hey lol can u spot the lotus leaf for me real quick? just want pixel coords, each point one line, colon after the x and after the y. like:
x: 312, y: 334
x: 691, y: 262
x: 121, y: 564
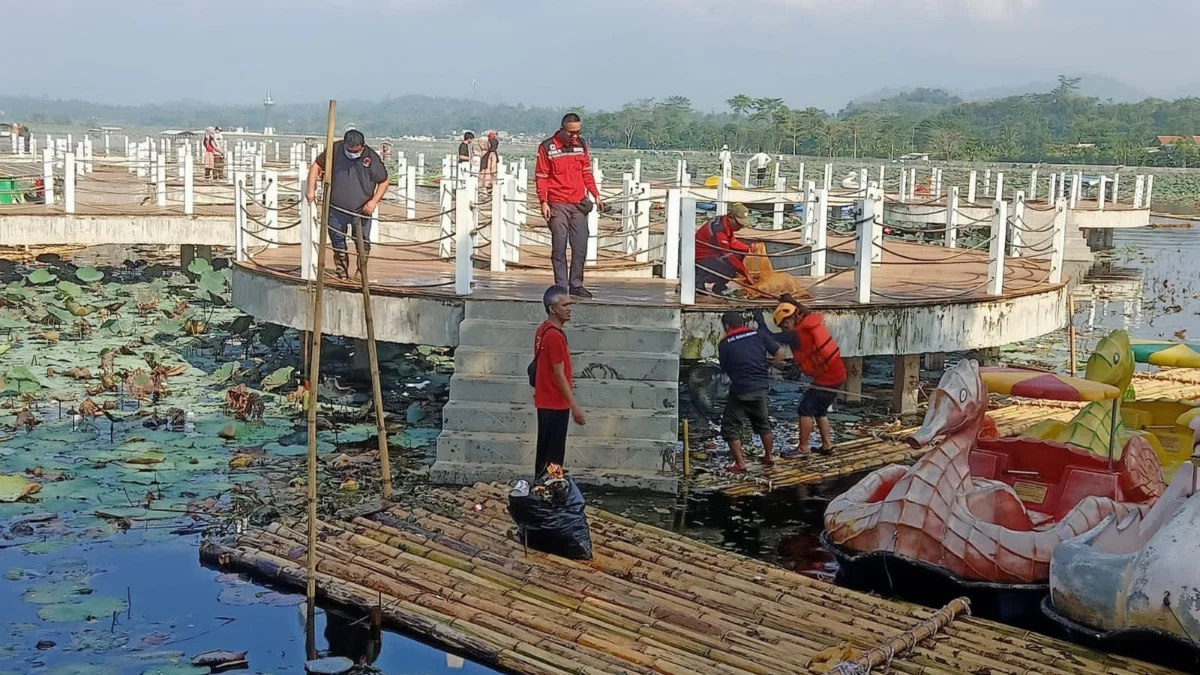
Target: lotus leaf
x: 97, y: 641
x: 61, y: 315
x: 53, y: 592
x: 5, y: 346
x: 40, y: 276
x: 169, y: 326
x: 89, y: 275
x: 14, y: 487
x: 86, y: 607
x: 200, y: 266
x: 224, y: 373
x: 83, y: 669
x: 270, y: 333
x: 277, y: 379
x: 69, y: 290
x: 9, y: 323
x: 240, y: 325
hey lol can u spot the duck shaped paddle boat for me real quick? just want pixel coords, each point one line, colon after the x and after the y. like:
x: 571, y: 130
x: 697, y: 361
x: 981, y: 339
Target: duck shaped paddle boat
x: 1134, y: 580
x: 981, y: 516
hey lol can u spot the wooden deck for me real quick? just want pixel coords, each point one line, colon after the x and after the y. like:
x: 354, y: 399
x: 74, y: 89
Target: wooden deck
x: 866, y: 454
x: 650, y: 602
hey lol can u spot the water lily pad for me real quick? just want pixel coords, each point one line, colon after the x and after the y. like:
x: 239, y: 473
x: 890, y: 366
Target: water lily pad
x: 177, y: 669
x: 15, y: 486
x: 83, y: 669
x: 14, y: 574
x: 53, y: 592
x: 97, y: 641
x: 332, y: 665
x: 87, y: 608
x: 278, y: 378
x: 47, y: 546
x: 69, y: 289
x: 89, y: 275
x: 224, y: 373
x: 40, y: 276
x: 199, y: 266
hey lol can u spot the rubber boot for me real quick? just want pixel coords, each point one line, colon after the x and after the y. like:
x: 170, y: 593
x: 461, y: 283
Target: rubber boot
x: 341, y: 263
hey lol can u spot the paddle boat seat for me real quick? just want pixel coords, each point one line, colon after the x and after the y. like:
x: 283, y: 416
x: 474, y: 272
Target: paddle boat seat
x: 1049, y: 482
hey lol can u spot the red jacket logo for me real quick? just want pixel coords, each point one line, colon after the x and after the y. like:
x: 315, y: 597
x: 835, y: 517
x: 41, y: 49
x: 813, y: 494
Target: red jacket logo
x: 366, y: 161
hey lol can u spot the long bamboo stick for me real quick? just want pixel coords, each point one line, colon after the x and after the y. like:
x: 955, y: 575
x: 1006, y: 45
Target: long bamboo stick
x: 314, y: 374
x: 904, y: 642
x: 385, y: 464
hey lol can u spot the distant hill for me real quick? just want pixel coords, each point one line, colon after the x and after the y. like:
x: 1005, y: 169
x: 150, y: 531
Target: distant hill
x: 1097, y: 86
x: 919, y: 102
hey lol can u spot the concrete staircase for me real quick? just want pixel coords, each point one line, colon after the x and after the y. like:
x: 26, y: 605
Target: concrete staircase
x: 626, y: 369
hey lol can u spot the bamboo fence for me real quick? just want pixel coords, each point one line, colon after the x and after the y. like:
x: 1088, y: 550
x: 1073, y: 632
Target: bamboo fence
x: 864, y: 454
x: 650, y: 602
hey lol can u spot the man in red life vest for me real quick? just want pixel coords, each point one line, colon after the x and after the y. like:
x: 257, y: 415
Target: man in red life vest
x: 719, y: 252
x: 817, y: 354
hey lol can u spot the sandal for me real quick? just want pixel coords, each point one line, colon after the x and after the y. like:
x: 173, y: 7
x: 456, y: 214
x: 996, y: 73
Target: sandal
x: 825, y: 451
x: 734, y: 468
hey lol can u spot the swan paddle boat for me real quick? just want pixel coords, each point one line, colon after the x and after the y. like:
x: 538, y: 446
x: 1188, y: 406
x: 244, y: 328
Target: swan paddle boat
x: 980, y: 515
x: 1134, y: 581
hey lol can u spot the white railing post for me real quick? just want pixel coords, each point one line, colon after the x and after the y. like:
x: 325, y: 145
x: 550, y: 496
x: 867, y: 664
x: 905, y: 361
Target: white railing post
x: 999, y: 185
x: 800, y: 179
x: 952, y: 218
x: 828, y: 176
x: 912, y: 184
x: 862, y: 182
x: 463, y: 240
x: 1101, y: 197
x: 420, y: 167
x: 671, y: 234
x: 87, y: 154
x: 996, y: 251
x: 777, y: 216
x: 48, y: 174
x: 522, y: 197
x: 1060, y: 241
x: 628, y: 187
x: 642, y: 238
x: 271, y: 210
x: 160, y: 180
x: 778, y: 166
x: 687, y: 250
x: 723, y: 187
x: 937, y: 183
x: 882, y: 177
x: 1149, y: 192
x: 189, y: 185
x: 410, y: 194
x: 239, y: 216
x: 1116, y: 188
x: 309, y: 235
x: 496, y: 231
x: 69, y: 182
x: 1139, y: 191
x: 903, y: 185
x: 820, y: 235
x: 810, y: 212
x: 971, y: 182
x: 863, y: 246
x: 1076, y: 179
x: 1033, y: 176
x: 1052, y: 188
x: 637, y: 170
x: 1018, y: 225
x: 80, y: 159
x: 445, y: 218
x: 987, y: 183
x: 593, y: 221
x: 746, y: 176
x: 511, y: 219
x: 374, y: 234
x: 875, y: 195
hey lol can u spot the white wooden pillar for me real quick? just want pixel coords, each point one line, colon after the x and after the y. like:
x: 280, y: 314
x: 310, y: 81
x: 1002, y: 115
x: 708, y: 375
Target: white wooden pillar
x: 1052, y: 188
x: 687, y: 250
x: 828, y: 176
x: 999, y: 185
x: 1060, y: 241
x: 723, y: 188
x: 160, y: 180
x: 952, y: 218
x: 87, y: 154
x: 903, y: 185
x: 996, y: 250
x: 420, y: 167
x: 820, y: 235
x: 777, y: 215
x: 642, y: 230
x: 882, y: 176
x: 987, y: 183
x: 628, y: 211
x: 637, y: 170
x: 862, y: 182
x: 80, y: 159
x: 1139, y: 191
x: 810, y: 213
x: 496, y: 230
x: 189, y: 184
x: 239, y: 216
x: 445, y: 218
x: 746, y: 176
x: 672, y: 234
x: 69, y: 179
x: 800, y: 179
x: 863, y: 246
x: 512, y: 219
x: 271, y: 212
x: 48, y: 174
x: 1101, y: 195
x: 464, y: 244
x: 593, y: 221
x: 1033, y: 177
x: 1149, y: 192
x: 410, y: 194
x: 974, y: 178
x: 912, y: 184
x: 522, y: 196
x: 875, y: 195
x: 1018, y: 222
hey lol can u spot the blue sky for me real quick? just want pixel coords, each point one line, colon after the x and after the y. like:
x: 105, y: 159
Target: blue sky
x: 599, y: 54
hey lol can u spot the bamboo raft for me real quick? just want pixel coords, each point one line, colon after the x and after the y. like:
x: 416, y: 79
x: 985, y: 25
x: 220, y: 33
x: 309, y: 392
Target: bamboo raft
x: 864, y: 454
x: 651, y: 602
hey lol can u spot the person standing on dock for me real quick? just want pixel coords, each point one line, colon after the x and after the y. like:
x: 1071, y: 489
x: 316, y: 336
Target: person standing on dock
x: 464, y: 148
x: 488, y: 162
x: 761, y: 161
x: 564, y: 181
x: 746, y: 356
x: 818, y: 355
x: 553, y: 385
x: 719, y: 252
x: 357, y: 185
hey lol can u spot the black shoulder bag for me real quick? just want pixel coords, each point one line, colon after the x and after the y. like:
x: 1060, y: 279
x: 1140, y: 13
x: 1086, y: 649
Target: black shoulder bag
x: 532, y: 369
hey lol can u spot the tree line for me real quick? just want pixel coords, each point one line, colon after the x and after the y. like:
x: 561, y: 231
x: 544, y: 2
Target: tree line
x: 1056, y: 126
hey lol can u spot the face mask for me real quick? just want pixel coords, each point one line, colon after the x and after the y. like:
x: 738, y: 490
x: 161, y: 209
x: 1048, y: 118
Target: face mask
x: 352, y: 155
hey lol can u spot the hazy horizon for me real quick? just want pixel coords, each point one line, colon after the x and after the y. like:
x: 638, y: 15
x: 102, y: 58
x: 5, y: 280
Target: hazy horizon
x: 543, y: 53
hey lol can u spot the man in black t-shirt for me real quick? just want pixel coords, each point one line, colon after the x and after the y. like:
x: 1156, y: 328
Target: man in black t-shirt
x: 357, y: 185
x: 464, y: 148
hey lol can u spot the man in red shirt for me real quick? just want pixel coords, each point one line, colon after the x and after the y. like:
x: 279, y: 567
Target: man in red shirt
x: 564, y: 181
x: 719, y: 252
x: 554, y: 387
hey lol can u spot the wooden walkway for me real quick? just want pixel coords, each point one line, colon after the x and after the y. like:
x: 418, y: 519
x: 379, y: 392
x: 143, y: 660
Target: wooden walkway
x: 651, y: 602
x: 865, y: 454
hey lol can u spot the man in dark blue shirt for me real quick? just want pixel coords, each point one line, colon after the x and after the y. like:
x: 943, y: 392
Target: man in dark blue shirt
x: 746, y: 356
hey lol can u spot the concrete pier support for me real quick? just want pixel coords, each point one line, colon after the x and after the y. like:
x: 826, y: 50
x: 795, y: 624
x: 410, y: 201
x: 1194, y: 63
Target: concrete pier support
x: 988, y: 356
x: 854, y: 379
x: 935, y: 361
x: 189, y: 252
x: 907, y: 378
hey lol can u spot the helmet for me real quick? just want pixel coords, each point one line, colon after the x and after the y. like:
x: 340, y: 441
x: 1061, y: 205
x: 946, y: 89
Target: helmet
x: 783, y: 311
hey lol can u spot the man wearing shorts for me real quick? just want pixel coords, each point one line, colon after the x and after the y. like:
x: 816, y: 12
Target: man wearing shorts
x: 817, y: 354
x: 746, y: 356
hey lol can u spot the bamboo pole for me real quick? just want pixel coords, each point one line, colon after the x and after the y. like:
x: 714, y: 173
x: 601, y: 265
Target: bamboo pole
x: 1071, y: 329
x: 687, y: 452
x: 385, y: 464
x: 904, y: 642
x: 314, y: 374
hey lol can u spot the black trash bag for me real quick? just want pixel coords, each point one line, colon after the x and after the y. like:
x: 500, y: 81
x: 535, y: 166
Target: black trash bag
x: 555, y: 523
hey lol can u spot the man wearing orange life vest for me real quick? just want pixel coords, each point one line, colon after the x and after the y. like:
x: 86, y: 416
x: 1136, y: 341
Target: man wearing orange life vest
x: 817, y: 354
